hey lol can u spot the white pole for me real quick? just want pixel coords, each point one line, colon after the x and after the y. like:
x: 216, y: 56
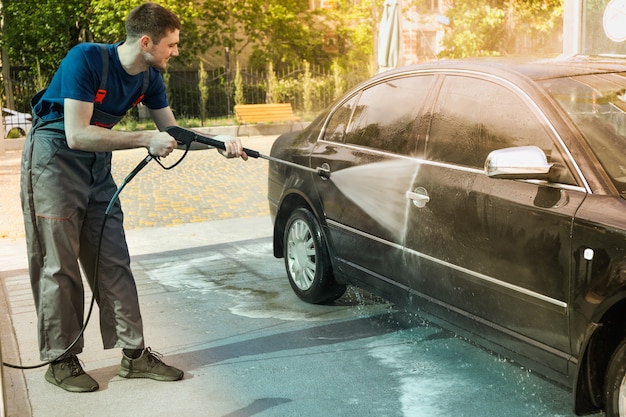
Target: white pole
x: 572, y: 26
x: 2, y: 147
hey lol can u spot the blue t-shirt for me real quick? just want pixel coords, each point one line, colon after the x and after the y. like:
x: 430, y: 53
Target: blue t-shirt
x: 79, y: 76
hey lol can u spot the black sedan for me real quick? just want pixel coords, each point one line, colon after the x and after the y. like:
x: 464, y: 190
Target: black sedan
x: 488, y: 196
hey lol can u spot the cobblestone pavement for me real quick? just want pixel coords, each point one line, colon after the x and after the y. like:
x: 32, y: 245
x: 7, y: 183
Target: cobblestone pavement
x: 205, y: 186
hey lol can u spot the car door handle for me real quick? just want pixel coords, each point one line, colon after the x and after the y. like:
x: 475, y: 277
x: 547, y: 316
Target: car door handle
x: 419, y: 197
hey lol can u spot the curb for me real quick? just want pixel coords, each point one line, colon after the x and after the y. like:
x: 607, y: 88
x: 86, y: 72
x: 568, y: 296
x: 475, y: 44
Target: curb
x: 12, y: 145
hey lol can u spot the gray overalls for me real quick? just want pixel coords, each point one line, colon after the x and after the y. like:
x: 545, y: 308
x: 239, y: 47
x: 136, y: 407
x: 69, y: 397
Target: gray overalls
x: 64, y: 195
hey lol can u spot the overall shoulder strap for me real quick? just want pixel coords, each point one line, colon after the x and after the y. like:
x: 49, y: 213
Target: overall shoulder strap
x: 144, y: 87
x: 104, y: 52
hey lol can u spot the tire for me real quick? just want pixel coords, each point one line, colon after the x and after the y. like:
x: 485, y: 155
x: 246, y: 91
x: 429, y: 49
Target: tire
x: 307, y: 261
x: 615, y: 383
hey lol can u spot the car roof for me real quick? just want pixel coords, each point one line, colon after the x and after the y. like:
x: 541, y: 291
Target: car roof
x: 535, y: 69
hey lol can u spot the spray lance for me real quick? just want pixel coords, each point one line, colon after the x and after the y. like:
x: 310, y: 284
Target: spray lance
x: 186, y: 137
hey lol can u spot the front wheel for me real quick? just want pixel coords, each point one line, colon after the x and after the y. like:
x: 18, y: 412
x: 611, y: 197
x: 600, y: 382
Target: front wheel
x: 307, y: 261
x: 615, y: 383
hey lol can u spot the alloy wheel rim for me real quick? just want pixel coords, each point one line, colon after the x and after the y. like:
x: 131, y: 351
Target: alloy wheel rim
x: 301, y: 255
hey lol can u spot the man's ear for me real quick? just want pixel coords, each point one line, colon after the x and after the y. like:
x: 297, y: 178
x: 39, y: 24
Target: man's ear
x: 145, y: 42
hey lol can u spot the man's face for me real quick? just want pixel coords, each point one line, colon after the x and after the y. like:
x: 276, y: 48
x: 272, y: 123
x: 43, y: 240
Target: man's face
x: 158, y: 54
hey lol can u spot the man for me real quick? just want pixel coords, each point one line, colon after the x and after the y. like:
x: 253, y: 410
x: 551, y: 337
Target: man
x: 67, y: 185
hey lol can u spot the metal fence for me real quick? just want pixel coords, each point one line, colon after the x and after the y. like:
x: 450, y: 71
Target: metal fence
x: 309, y: 89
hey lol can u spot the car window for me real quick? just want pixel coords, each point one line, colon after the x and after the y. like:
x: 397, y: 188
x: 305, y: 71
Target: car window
x: 385, y: 115
x: 473, y: 117
x: 597, y: 104
x: 336, y: 127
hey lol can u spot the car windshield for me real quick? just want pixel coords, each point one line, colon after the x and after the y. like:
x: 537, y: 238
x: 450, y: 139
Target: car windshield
x: 597, y: 104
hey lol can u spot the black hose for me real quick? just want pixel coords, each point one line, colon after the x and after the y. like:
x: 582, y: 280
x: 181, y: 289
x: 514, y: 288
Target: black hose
x: 128, y: 178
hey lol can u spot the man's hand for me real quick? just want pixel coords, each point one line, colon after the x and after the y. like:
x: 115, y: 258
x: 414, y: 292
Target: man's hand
x: 161, y: 144
x: 234, y: 148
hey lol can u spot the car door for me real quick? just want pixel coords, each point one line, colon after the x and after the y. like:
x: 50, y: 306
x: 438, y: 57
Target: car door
x: 369, y: 145
x: 493, y: 251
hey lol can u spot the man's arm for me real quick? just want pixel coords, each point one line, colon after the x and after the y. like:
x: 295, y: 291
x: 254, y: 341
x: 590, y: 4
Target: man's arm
x: 81, y: 135
x: 163, y: 117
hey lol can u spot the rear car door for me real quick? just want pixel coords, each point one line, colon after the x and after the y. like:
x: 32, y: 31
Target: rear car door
x: 368, y: 145
x: 494, y: 252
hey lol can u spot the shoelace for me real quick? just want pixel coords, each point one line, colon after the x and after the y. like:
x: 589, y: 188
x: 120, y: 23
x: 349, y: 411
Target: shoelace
x: 154, y: 356
x: 73, y: 363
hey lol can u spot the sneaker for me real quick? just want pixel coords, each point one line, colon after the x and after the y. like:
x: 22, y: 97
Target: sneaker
x: 68, y: 374
x: 148, y: 365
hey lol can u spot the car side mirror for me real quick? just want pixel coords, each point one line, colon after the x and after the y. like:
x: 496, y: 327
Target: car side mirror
x: 522, y: 162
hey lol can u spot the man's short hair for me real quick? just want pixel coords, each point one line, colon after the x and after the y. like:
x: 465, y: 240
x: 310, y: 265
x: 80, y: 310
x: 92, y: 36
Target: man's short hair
x: 151, y: 19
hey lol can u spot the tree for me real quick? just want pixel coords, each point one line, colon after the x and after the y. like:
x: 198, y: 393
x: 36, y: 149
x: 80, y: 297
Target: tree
x: 280, y: 31
x: 495, y: 27
x: 55, y: 26
x: 286, y: 32
x: 108, y: 17
x: 204, y: 92
x: 290, y: 35
x: 354, y: 24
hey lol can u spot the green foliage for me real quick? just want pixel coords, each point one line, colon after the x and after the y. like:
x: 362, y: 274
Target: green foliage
x: 40, y: 80
x: 204, y: 91
x: 307, y: 86
x: 478, y: 29
x: 282, y: 31
x: 239, y: 93
x: 44, y: 29
x: 272, y: 94
x: 108, y: 18
x: 320, y: 87
x: 166, y: 80
x: 306, y: 91
x: 14, y: 133
x: 285, y: 32
x: 339, y: 84
x: 485, y: 28
x: 353, y: 23
x: 538, y: 16
x: 288, y: 90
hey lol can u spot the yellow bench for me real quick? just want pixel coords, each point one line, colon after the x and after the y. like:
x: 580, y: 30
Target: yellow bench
x: 265, y: 113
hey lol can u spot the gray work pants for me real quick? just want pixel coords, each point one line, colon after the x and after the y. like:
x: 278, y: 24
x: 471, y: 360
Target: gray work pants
x: 64, y: 196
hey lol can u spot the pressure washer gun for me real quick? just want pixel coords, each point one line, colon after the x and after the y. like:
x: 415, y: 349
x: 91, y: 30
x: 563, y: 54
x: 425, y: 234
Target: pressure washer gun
x: 187, y: 137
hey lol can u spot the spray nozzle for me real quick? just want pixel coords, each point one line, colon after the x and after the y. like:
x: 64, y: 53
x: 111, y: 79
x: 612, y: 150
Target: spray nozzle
x: 324, y: 171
